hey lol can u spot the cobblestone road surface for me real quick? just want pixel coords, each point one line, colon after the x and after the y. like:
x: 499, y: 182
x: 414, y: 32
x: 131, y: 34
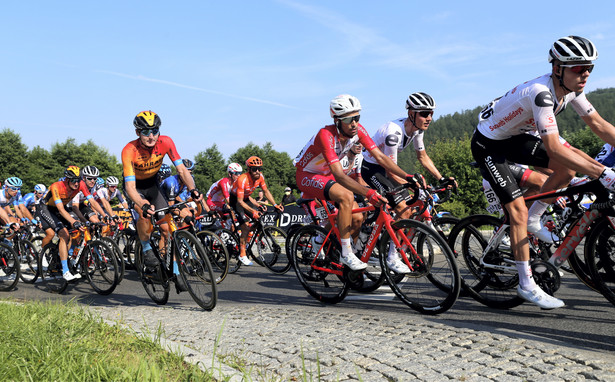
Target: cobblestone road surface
x: 286, y: 343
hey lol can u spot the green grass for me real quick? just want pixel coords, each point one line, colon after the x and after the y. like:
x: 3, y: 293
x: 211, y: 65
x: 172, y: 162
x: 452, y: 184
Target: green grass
x: 59, y: 342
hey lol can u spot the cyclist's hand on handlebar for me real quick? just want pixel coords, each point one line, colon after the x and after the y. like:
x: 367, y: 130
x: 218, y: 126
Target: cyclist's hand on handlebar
x: 415, y: 181
x: 256, y: 215
x: 262, y: 208
x: 374, y: 198
x: 279, y: 207
x: 148, y: 210
x: 607, y: 178
x: 450, y: 183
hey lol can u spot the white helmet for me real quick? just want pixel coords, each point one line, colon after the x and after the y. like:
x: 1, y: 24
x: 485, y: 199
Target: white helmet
x: 573, y: 48
x: 40, y: 188
x: 112, y: 181
x: 420, y: 101
x: 234, y: 167
x: 344, y: 104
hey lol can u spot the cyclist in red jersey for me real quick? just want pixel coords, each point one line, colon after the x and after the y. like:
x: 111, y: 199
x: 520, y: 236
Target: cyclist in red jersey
x: 141, y: 160
x: 54, y: 216
x: 320, y: 174
x: 244, y: 205
x: 220, y: 192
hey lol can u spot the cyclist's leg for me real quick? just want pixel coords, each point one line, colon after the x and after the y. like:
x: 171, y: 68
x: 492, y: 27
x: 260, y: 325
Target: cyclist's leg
x: 149, y: 191
x: 243, y: 220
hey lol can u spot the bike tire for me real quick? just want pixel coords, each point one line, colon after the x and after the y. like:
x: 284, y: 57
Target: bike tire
x: 154, y: 283
x: 99, y: 265
x: 489, y: 287
x: 28, y: 257
x: 434, y: 283
x: 119, y: 257
x: 231, y: 240
x: 271, y: 248
x: 290, y: 240
x: 50, y: 269
x: 216, y: 252
x: 444, y: 225
x: 322, y: 277
x: 195, y: 269
x: 600, y: 258
x: 10, y: 268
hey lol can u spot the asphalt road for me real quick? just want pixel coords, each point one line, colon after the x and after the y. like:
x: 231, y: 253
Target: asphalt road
x: 587, y: 321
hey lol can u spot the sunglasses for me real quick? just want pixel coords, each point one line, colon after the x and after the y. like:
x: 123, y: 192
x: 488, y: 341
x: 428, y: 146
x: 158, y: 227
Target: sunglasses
x: 73, y: 180
x: 425, y: 113
x: 349, y: 120
x: 579, y: 69
x: 255, y: 169
x: 235, y: 172
x: 14, y: 188
x: 90, y: 178
x: 147, y: 132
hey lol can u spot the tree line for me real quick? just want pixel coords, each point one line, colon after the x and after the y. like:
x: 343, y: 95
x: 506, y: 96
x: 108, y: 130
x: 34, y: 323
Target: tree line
x: 447, y: 142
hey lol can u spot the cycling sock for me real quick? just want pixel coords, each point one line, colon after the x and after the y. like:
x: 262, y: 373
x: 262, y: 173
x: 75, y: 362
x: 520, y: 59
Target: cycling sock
x: 392, y: 251
x: 146, y: 245
x: 535, y: 212
x: 64, y: 266
x: 525, y: 275
x: 175, y: 267
x: 346, y: 247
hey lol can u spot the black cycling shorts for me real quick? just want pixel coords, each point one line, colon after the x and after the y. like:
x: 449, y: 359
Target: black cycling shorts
x: 493, y: 159
x: 375, y: 176
x: 240, y: 213
x: 148, y: 190
x: 51, y: 218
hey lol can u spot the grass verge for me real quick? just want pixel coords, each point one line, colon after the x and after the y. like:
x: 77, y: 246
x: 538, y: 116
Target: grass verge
x: 45, y: 341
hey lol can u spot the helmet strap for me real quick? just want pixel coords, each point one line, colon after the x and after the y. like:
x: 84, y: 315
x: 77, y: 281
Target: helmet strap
x: 561, y: 79
x: 412, y: 118
x: 338, y: 124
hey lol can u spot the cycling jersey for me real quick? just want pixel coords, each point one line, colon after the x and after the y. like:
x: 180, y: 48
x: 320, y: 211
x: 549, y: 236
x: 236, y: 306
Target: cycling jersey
x: 245, y: 185
x: 530, y: 106
x: 142, y: 163
x: 172, y: 187
x: 352, y: 169
x: 606, y: 156
x: 391, y: 139
x: 220, y: 190
x: 325, y: 148
x: 80, y: 198
x: 103, y: 193
x: 29, y: 200
x: 61, y: 193
x: 6, y: 200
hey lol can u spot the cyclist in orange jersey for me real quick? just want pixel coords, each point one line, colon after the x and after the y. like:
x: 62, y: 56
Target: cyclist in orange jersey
x: 141, y: 160
x: 244, y: 205
x: 55, y: 216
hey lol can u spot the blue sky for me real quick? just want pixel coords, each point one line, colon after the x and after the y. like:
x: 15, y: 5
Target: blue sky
x: 238, y: 71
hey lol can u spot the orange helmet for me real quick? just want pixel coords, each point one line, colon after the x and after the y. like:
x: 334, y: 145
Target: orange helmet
x: 254, y: 161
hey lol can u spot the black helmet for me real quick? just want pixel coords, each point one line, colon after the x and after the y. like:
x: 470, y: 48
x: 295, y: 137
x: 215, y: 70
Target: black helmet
x: 147, y: 120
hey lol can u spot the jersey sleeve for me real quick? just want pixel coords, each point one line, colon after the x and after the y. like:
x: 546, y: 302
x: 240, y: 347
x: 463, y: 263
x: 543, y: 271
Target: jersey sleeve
x: 418, y: 142
x: 325, y: 143
x: 170, y: 150
x: 582, y: 106
x: 365, y: 139
x: 542, y: 107
x: 127, y: 164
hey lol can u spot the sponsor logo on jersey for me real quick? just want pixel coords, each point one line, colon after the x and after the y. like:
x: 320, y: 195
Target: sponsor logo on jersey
x: 544, y: 99
x: 314, y: 183
x: 306, y: 159
x: 391, y: 140
x: 507, y: 118
x: 494, y: 171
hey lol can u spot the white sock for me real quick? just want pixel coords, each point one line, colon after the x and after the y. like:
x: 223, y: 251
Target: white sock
x: 525, y: 275
x: 347, y: 247
x: 392, y: 251
x: 535, y: 212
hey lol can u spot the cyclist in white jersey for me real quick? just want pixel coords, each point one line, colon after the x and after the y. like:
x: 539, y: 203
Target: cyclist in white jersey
x: 351, y: 163
x: 501, y: 135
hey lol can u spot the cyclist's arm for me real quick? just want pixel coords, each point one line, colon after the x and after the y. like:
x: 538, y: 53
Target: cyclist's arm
x: 600, y: 127
x: 24, y: 211
x: 186, y: 177
x: 5, y: 216
x: 388, y: 164
x: 569, y: 158
x: 428, y: 164
x: 340, y: 176
x: 76, y: 211
x: 131, y: 190
x: 65, y: 214
x: 107, y: 206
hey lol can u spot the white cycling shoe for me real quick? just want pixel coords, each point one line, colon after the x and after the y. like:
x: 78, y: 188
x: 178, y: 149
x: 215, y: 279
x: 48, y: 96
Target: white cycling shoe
x: 541, y: 232
x: 353, y: 262
x: 397, y: 265
x: 539, y: 298
x: 70, y: 277
x: 245, y: 261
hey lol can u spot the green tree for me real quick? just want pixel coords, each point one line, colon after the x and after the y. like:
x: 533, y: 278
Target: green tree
x: 43, y: 169
x: 209, y: 167
x: 13, y: 156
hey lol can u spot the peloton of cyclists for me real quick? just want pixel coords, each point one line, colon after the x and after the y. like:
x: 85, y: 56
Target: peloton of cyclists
x: 501, y: 135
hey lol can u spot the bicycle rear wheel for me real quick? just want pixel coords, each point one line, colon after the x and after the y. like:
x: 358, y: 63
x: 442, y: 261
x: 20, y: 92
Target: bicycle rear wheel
x: 231, y: 241
x: 9, y: 268
x: 28, y: 256
x: 196, y: 270
x: 99, y: 264
x: 154, y: 282
x: 119, y: 257
x: 320, y: 274
x: 493, y: 288
x: 271, y: 247
x: 216, y: 253
x: 50, y: 269
x: 600, y: 258
x: 434, y: 283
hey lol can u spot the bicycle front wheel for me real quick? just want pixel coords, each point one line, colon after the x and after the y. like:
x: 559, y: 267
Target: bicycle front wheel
x: 195, y: 269
x: 119, y: 257
x: 433, y: 285
x: 231, y: 241
x: 600, y: 258
x: 318, y: 266
x: 99, y: 264
x: 154, y: 283
x: 271, y: 247
x: 216, y: 253
x: 9, y: 268
x: 28, y: 256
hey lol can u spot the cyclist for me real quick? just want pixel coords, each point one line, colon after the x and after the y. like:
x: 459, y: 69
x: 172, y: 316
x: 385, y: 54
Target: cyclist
x: 88, y: 209
x: 219, y: 193
x: 244, y: 205
x: 141, y: 160
x: 55, y: 217
x: 320, y: 174
x: 352, y: 163
x: 501, y: 135
x: 10, y: 195
x: 32, y: 199
x: 111, y: 192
